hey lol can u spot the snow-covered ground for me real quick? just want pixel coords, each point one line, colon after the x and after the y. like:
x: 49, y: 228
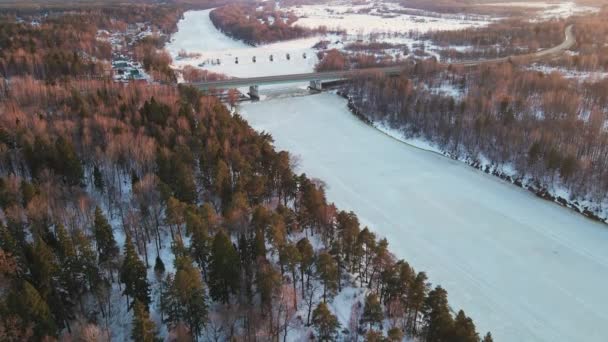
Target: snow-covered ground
x: 522, y: 267
x: 590, y: 76
x: 196, y: 34
x: 549, y: 10
x: 376, y: 18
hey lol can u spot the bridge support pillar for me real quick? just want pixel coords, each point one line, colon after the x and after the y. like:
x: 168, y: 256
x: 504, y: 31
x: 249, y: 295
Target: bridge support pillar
x: 254, y: 93
x: 315, y: 85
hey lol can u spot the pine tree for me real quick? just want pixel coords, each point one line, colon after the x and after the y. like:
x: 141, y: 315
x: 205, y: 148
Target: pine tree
x: 223, y: 268
x: 326, y: 324
x: 183, y: 298
x: 268, y: 282
x: 159, y: 267
x: 291, y: 257
x: 43, y: 267
x: 488, y: 338
x: 98, y: 178
x: 104, y: 236
x: 199, y: 241
x: 191, y: 296
x: 143, y: 329
x: 372, y: 311
x: 67, y: 163
x: 30, y: 306
x: 133, y: 275
x: 464, y: 329
x: 327, y: 271
x: 307, y: 260
x: 438, y: 322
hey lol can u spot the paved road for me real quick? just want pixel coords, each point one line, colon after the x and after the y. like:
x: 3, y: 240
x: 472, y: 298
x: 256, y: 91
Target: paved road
x: 568, y: 42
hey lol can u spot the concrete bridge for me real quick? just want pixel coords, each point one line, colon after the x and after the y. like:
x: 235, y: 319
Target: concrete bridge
x: 316, y: 79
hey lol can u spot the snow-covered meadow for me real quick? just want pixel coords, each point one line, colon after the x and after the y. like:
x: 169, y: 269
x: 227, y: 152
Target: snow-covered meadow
x: 522, y: 267
x: 548, y: 10
x: 377, y: 17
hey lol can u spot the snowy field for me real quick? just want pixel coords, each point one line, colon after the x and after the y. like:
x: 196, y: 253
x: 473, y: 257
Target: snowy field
x: 587, y: 76
x: 549, y: 10
x: 523, y: 268
x: 374, y: 17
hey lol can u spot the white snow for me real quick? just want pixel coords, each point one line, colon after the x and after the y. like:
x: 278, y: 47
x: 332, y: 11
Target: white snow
x: 591, y: 76
x: 522, y: 267
x: 345, y: 16
x: 198, y: 35
x: 549, y: 10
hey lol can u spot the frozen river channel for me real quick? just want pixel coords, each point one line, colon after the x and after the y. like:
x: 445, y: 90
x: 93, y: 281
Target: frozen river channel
x: 522, y: 267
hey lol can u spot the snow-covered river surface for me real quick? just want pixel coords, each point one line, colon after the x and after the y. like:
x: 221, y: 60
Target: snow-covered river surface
x: 523, y: 268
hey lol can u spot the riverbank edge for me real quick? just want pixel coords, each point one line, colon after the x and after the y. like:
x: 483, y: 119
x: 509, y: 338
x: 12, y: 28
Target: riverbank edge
x: 531, y: 185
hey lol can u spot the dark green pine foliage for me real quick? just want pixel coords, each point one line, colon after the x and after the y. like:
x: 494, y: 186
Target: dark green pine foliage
x: 464, y: 329
x: 183, y: 297
x: 438, y: 321
x: 223, y: 268
x: 307, y: 260
x: 66, y: 162
x: 104, y: 236
x: 488, y: 338
x: 98, y: 178
x: 291, y: 257
x: 43, y: 266
x: 133, y: 275
x: 327, y: 271
x: 159, y: 266
x: 143, y: 329
x: 326, y: 324
x: 372, y: 311
x: 27, y: 303
x: 199, y: 240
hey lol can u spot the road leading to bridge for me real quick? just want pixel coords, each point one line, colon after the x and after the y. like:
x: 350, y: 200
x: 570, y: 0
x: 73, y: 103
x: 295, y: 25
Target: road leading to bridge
x: 568, y: 42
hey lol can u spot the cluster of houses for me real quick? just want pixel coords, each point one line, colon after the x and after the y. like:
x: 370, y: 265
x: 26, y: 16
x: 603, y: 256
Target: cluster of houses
x: 124, y: 67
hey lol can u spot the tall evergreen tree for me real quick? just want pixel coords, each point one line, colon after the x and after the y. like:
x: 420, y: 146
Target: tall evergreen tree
x: 464, y: 329
x: 372, y: 311
x: 223, y: 268
x: 327, y: 272
x: 183, y: 299
x: 143, y: 328
x: 133, y: 275
x: 291, y: 257
x: 98, y: 178
x: 326, y: 324
x: 27, y: 303
x: 104, y: 236
x: 438, y: 322
x: 307, y: 260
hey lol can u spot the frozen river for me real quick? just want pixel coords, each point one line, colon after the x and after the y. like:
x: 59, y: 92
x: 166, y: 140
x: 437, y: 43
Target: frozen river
x: 523, y: 268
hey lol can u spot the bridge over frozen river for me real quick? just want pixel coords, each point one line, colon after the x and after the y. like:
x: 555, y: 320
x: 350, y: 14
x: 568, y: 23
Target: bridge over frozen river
x: 316, y: 78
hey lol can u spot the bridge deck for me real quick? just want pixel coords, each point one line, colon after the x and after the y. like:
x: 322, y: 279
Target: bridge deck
x: 278, y: 79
